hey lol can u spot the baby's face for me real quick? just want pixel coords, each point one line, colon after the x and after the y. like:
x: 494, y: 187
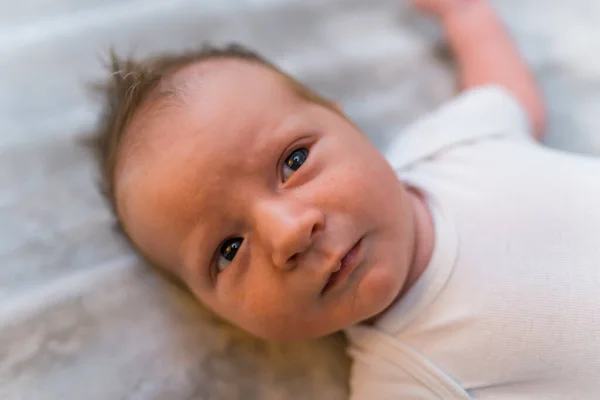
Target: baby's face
x: 278, y: 213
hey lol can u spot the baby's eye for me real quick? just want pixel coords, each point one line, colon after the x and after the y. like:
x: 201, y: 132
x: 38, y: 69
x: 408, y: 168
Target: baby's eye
x: 227, y: 252
x: 293, y: 162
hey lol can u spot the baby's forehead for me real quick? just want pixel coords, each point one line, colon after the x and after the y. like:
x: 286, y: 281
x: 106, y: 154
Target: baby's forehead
x: 210, y: 91
x: 227, y: 75
x: 204, y: 99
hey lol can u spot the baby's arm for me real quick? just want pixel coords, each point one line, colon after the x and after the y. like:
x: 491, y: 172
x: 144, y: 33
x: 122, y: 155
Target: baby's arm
x: 486, y: 54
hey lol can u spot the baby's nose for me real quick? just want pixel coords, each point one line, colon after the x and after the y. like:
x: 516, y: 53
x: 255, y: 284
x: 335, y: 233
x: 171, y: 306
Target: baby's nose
x: 288, y: 230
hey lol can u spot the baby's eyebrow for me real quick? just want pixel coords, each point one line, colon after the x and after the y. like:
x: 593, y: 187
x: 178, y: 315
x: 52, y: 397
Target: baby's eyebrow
x: 195, y: 252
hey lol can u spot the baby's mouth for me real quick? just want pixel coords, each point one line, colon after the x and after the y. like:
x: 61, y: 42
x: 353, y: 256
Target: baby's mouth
x: 345, y: 267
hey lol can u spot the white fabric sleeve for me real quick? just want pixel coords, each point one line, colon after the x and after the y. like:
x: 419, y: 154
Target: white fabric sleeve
x: 374, y: 379
x: 383, y: 368
x: 478, y: 113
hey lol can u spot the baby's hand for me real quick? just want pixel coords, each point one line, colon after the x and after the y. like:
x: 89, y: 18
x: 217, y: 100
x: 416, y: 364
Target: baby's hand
x: 485, y: 53
x: 441, y: 8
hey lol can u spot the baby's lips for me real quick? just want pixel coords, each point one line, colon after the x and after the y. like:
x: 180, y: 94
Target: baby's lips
x: 337, y: 267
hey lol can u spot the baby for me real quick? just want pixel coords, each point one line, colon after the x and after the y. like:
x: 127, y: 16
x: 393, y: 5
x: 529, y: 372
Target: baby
x: 466, y: 265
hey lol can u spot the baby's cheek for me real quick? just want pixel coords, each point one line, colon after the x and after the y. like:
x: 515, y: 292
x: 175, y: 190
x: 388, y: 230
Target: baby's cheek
x: 345, y: 189
x: 260, y: 304
x: 268, y: 319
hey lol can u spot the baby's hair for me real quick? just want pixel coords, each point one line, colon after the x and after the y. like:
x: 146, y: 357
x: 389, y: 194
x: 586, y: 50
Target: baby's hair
x: 131, y: 84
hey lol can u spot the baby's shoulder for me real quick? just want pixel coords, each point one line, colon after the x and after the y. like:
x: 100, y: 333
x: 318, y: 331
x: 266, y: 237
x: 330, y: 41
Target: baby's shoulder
x: 476, y: 115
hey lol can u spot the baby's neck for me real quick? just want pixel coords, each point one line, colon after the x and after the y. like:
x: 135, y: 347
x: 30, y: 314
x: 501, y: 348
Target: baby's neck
x: 424, y: 242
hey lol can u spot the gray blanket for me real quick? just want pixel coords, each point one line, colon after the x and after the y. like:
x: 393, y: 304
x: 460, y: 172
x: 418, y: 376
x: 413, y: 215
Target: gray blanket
x: 80, y: 316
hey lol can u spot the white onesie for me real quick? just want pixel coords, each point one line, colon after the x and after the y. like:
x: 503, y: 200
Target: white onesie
x: 509, y: 306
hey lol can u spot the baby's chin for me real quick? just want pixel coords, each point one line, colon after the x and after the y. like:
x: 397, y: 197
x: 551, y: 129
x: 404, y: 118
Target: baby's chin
x: 379, y: 289
x: 379, y: 293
